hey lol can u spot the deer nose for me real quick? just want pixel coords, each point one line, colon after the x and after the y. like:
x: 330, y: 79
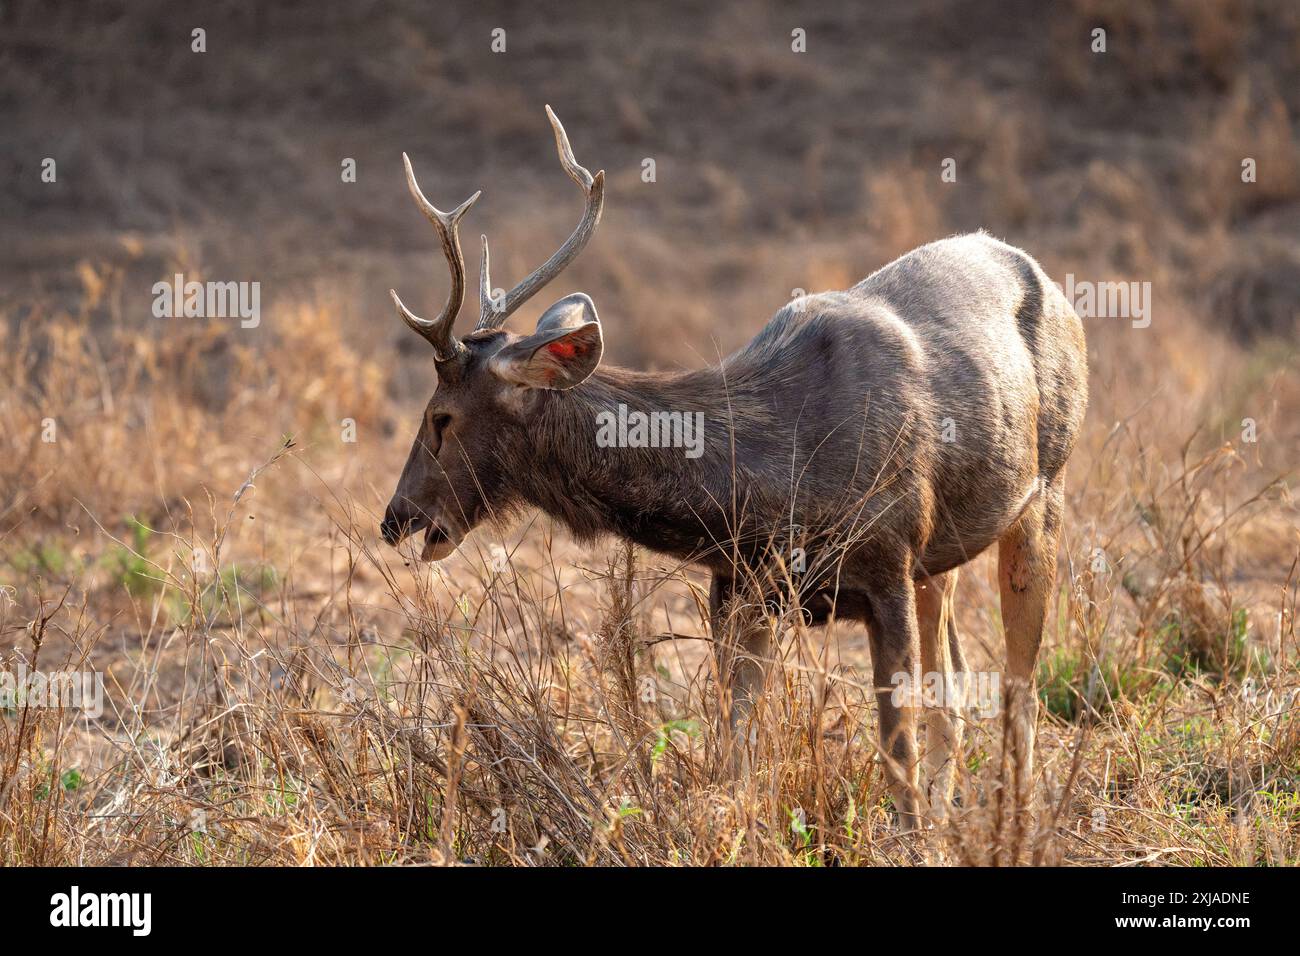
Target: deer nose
x: 390, y: 528
x: 401, y: 518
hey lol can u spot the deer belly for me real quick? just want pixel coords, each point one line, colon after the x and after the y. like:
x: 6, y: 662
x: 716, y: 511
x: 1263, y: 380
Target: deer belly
x: 964, y: 529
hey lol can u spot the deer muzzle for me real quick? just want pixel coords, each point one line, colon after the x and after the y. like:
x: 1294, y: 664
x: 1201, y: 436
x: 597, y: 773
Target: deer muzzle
x: 402, y: 521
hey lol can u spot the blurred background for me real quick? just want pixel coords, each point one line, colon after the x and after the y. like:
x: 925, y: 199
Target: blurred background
x: 774, y: 171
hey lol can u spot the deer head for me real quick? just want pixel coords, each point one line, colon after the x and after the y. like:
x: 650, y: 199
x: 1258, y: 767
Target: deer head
x: 491, y: 381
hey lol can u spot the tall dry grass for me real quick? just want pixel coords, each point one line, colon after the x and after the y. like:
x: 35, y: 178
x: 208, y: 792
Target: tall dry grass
x: 281, y: 689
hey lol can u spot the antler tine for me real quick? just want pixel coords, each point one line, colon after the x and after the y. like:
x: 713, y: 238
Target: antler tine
x: 485, y: 303
x: 438, y: 331
x: 493, y: 313
x: 578, y: 174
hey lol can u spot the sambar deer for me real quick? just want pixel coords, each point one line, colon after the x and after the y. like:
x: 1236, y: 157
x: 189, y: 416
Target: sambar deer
x: 893, y: 431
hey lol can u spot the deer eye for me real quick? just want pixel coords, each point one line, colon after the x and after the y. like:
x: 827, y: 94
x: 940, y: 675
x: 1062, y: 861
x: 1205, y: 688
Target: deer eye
x: 438, y: 427
x: 440, y: 423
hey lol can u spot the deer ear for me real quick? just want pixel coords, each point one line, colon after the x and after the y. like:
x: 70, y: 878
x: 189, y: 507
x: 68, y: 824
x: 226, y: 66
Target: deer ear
x: 564, y: 350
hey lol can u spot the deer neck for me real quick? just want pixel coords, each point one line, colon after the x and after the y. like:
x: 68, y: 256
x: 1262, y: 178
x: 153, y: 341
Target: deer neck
x: 634, y: 454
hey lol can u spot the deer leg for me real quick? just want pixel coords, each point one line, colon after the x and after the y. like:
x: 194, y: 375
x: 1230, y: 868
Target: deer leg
x: 895, y: 656
x: 959, y: 713
x: 742, y: 644
x: 942, y: 667
x: 1026, y: 579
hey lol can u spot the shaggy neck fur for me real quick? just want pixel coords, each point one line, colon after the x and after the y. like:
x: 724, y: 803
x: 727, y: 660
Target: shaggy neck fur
x: 655, y: 496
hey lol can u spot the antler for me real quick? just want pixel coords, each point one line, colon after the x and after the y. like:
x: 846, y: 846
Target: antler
x: 438, y: 331
x: 493, y: 312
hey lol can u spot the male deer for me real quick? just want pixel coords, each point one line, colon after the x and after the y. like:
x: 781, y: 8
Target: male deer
x: 895, y: 430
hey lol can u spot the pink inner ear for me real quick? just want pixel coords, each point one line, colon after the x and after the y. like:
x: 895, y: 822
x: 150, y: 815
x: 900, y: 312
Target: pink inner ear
x: 562, y: 349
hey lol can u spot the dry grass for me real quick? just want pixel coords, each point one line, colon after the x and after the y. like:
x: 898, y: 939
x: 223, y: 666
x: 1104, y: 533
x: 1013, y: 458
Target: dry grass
x: 281, y: 690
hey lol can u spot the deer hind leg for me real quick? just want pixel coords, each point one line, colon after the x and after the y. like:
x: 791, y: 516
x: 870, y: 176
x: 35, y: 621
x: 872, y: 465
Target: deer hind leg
x: 742, y: 645
x: 943, y: 668
x: 895, y: 660
x: 1026, y: 579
